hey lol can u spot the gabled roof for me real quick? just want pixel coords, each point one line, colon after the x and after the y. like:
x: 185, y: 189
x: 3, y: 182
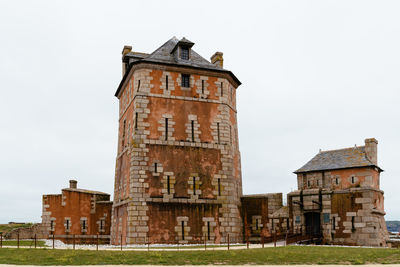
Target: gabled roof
x: 85, y: 191
x: 165, y: 55
x: 353, y: 157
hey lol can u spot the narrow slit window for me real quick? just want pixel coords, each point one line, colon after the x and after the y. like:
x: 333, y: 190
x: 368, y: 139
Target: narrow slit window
x: 138, y: 86
x: 192, y: 124
x: 219, y: 186
x: 155, y: 167
x: 230, y: 134
x: 272, y: 224
x: 136, y: 121
x: 256, y: 224
x: 208, y: 231
x: 101, y: 224
x: 51, y: 225
x: 337, y: 180
x: 166, y: 129
x: 352, y: 179
x: 84, y: 224
x: 287, y: 224
x: 352, y: 223
x: 166, y: 82
x: 333, y: 223
x: 194, y: 185
x: 168, y: 185
x: 202, y: 87
x: 123, y: 133
x: 183, y: 229
x: 308, y: 183
x: 222, y: 89
x: 218, y: 133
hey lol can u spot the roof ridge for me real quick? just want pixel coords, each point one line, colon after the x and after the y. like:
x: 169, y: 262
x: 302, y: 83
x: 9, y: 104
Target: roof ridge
x: 331, y: 150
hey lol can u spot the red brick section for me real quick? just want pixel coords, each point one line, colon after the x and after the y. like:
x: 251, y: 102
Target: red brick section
x: 76, y: 206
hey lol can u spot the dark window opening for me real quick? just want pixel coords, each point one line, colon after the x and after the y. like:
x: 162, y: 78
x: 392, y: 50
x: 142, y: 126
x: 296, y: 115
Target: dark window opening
x: 101, y: 224
x: 333, y: 223
x: 67, y: 225
x: 155, y: 167
x: 168, y: 185
x: 272, y: 224
x: 52, y: 225
x: 222, y: 89
x: 123, y: 133
x: 194, y: 185
x: 219, y: 186
x: 218, y: 133
x: 202, y: 87
x: 185, y: 80
x: 352, y: 179
x: 185, y: 53
x: 287, y: 224
x: 166, y: 82
x: 84, y: 225
x: 352, y: 223
x: 138, y: 86
x: 183, y: 230
x: 337, y: 181
x: 136, y: 121
x: 166, y: 129
x: 308, y: 183
x: 317, y: 182
x: 208, y: 231
x: 256, y: 224
x: 192, y: 124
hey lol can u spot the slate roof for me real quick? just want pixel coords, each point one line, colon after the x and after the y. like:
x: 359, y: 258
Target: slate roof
x: 164, y: 55
x: 85, y: 191
x: 338, y: 159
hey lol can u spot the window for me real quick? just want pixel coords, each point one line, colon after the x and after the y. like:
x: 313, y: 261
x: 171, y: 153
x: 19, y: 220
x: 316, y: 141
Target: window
x: 138, y: 87
x: 352, y: 180
x: 166, y: 129
x: 336, y: 180
x: 52, y: 225
x: 308, y: 183
x: 287, y: 224
x: 230, y: 134
x: 202, y: 87
x: 222, y: 89
x: 218, y: 134
x: 168, y: 185
x: 219, y: 186
x: 272, y: 224
x: 155, y: 167
x: 333, y: 223
x: 256, y: 224
x: 136, y: 120
x: 67, y: 225
x: 185, y: 53
x: 102, y: 223
x: 185, y: 80
x: 84, y: 225
x: 123, y: 134
x: 317, y: 182
x: 194, y: 185
x: 192, y: 124
x: 352, y: 223
x: 208, y: 230
x: 183, y: 229
x: 166, y: 82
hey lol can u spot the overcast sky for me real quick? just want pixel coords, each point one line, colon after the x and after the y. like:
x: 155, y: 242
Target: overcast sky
x: 315, y: 75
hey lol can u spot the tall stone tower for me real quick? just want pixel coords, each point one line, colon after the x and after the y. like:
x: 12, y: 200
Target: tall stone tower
x: 177, y: 176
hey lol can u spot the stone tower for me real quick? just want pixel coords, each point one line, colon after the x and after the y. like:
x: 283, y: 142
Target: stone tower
x: 177, y: 175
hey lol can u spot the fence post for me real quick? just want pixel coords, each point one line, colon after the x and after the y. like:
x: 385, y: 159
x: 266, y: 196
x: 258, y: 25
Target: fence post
x: 53, y: 240
x: 73, y: 242
x: 287, y: 232
x: 148, y: 244
x: 1, y: 239
x: 205, y: 242
x: 228, y: 241
x: 121, y: 242
x: 18, y: 239
x: 97, y: 242
x: 275, y: 239
x: 35, y: 241
x: 262, y: 241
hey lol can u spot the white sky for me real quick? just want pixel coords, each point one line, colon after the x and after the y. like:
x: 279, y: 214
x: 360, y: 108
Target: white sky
x: 315, y: 74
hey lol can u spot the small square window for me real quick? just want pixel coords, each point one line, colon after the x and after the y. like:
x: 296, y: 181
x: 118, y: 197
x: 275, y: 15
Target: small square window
x: 185, y: 80
x: 185, y: 53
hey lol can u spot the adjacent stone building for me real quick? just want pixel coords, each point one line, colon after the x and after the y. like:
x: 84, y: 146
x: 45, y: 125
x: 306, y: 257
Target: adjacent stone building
x: 84, y: 215
x: 178, y: 176
x: 339, y: 197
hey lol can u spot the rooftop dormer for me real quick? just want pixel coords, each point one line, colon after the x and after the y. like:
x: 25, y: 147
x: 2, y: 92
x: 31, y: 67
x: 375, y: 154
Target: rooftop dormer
x: 182, y: 50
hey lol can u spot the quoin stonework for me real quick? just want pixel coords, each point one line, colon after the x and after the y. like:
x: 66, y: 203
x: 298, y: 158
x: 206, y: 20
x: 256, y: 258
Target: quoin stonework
x: 178, y: 174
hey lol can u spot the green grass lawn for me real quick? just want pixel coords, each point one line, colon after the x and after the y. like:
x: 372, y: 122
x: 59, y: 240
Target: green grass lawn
x: 280, y: 255
x: 24, y: 243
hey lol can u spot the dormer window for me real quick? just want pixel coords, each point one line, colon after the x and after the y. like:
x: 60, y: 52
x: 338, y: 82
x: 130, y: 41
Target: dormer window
x: 185, y: 53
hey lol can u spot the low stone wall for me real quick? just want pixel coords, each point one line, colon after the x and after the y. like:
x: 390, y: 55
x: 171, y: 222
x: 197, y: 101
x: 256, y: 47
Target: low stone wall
x: 28, y: 233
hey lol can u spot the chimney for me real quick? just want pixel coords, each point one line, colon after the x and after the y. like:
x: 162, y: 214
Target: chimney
x: 73, y: 184
x: 371, y: 149
x: 127, y: 49
x: 217, y: 59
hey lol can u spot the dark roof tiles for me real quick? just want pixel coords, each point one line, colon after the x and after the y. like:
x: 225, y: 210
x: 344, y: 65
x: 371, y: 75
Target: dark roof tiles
x: 337, y: 159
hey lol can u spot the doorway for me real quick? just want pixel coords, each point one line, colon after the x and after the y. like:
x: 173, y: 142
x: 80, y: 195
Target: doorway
x: 313, y: 223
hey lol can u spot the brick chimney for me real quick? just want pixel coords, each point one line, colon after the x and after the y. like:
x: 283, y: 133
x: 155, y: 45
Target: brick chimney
x: 127, y: 49
x: 73, y: 184
x: 217, y: 59
x: 371, y: 149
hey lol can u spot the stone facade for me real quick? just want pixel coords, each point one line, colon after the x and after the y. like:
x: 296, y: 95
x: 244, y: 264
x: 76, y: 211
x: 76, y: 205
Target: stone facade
x: 77, y: 213
x: 178, y: 175
x: 339, y: 197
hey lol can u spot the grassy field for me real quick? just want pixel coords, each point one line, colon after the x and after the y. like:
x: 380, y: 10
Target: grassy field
x: 280, y: 255
x: 27, y: 243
